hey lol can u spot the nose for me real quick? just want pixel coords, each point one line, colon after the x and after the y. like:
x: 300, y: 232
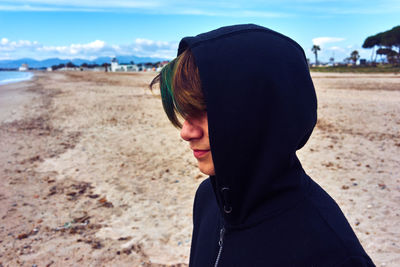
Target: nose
x: 190, y: 131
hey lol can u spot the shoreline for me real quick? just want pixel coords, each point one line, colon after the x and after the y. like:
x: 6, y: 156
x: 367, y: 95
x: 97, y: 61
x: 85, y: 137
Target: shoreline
x: 13, y: 97
x: 29, y: 76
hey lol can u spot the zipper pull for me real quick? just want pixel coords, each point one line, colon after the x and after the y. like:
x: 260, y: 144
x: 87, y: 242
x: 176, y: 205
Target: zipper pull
x: 220, y: 243
x: 221, y: 237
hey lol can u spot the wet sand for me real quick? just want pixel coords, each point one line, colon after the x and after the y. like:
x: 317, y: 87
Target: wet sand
x: 93, y: 174
x: 13, y: 98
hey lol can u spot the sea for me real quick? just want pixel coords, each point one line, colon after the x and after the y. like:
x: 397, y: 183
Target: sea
x: 14, y: 76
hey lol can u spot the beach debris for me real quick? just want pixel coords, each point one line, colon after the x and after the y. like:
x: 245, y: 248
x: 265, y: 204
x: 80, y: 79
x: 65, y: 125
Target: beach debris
x: 127, y: 251
x: 102, y: 200
x: 328, y: 165
x: 82, y: 187
x: 73, y: 225
x: 104, y: 203
x: 357, y: 223
x: 345, y: 187
x: 71, y: 194
x: 382, y: 186
x: 135, y: 248
x: 83, y: 219
x: 65, y: 226
x: 93, y: 195
x: 32, y: 160
x: 34, y: 231
x: 127, y: 238
x: 22, y: 236
x: 78, y: 190
x: 95, y: 244
x: 53, y: 191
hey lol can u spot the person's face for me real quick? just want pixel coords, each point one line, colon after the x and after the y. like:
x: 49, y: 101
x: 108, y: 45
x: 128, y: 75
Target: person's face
x: 195, y: 131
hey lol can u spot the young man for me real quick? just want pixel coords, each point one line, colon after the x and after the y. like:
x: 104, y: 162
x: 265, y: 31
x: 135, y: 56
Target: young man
x: 248, y: 103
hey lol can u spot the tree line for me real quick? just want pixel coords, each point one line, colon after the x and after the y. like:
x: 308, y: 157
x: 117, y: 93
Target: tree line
x: 354, y: 55
x: 83, y: 65
x: 104, y: 65
x: 386, y: 43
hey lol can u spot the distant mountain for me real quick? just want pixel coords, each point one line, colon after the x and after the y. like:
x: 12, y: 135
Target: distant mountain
x: 33, y: 63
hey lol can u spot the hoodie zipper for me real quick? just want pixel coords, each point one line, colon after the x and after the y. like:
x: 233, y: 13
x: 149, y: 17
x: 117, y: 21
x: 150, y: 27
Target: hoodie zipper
x: 221, y: 244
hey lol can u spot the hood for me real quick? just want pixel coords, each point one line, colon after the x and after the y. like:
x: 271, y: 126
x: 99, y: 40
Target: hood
x: 261, y: 108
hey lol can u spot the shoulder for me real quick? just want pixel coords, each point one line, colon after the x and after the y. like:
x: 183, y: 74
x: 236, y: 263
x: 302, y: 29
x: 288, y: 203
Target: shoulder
x: 204, y: 194
x: 204, y: 201
x: 205, y: 188
x: 330, y: 217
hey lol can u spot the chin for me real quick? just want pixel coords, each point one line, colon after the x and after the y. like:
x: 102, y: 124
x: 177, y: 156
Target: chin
x: 208, y: 170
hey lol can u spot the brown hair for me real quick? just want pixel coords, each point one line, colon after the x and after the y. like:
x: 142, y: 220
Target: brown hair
x: 180, y: 88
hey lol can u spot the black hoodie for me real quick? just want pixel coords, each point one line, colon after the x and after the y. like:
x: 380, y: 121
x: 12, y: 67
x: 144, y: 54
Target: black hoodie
x: 261, y: 208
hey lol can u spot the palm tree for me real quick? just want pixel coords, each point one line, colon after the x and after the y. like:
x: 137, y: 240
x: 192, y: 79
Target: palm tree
x: 315, y: 50
x: 354, y: 56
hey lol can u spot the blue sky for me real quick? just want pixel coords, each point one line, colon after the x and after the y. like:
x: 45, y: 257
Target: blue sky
x: 91, y: 28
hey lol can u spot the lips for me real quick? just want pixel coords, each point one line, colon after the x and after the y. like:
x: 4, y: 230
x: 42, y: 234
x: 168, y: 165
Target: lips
x: 200, y: 153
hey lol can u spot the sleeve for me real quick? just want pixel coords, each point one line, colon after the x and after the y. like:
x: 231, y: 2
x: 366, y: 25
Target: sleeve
x: 356, y: 261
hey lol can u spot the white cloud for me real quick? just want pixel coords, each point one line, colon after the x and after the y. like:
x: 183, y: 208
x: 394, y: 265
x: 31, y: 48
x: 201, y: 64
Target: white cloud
x: 74, y: 49
x: 6, y: 45
x: 139, y: 47
x: 147, y: 48
x: 336, y: 48
x: 321, y: 41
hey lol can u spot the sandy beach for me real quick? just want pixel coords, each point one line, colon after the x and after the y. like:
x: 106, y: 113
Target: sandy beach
x: 93, y: 174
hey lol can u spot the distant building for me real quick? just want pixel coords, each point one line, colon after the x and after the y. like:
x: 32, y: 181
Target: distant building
x: 124, y: 67
x: 23, y: 67
x: 49, y: 69
x: 114, y: 64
